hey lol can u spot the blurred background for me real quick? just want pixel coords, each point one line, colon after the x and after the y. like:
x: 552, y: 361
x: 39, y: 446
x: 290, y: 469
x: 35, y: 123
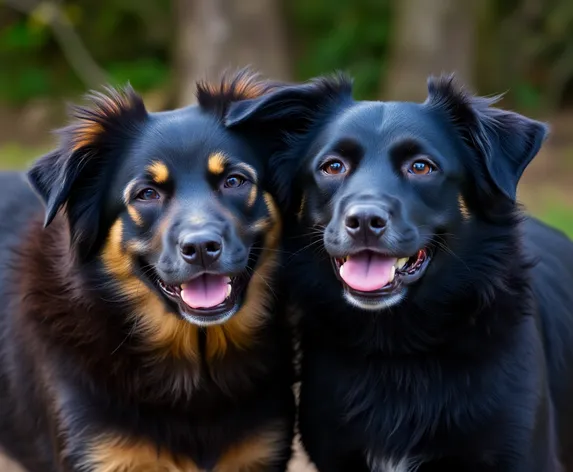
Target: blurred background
x: 52, y: 51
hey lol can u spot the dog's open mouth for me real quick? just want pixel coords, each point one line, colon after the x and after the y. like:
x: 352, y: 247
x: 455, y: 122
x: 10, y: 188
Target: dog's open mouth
x: 208, y: 298
x: 372, y: 277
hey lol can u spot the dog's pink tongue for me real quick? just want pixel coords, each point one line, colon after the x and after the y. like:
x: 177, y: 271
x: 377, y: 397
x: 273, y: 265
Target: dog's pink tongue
x: 367, y: 271
x: 205, y: 291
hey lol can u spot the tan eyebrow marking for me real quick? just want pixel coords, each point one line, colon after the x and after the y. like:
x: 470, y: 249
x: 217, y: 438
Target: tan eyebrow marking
x: 159, y: 172
x: 216, y: 163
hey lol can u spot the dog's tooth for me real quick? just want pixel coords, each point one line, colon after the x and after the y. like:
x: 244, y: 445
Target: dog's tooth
x: 229, y: 290
x: 392, y: 274
x: 400, y: 263
x: 341, y: 269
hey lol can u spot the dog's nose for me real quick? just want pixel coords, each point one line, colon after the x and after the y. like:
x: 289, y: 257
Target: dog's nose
x: 200, y: 248
x: 365, y: 221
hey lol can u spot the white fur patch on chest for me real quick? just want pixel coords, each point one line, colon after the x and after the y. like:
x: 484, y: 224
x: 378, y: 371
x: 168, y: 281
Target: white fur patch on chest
x: 404, y: 464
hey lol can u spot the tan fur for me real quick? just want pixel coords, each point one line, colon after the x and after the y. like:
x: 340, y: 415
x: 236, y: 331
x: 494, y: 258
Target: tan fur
x: 252, y: 196
x: 136, y: 247
x: 216, y: 163
x: 86, y: 134
x: 464, y: 210
x: 261, y: 225
x: 254, y: 454
x: 90, y: 126
x: 247, y: 87
x: 168, y: 335
x: 134, y: 215
x: 112, y: 453
x: 159, y: 172
x: 115, y: 454
x: 165, y: 332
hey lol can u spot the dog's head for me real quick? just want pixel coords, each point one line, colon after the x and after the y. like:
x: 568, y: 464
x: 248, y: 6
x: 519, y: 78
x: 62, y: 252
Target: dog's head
x: 170, y: 204
x: 389, y: 185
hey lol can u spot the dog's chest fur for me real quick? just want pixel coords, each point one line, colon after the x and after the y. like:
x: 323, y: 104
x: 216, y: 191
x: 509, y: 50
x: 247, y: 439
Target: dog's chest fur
x: 385, y: 464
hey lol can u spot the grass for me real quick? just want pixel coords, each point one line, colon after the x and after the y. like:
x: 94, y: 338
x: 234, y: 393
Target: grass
x: 559, y: 215
x: 14, y: 156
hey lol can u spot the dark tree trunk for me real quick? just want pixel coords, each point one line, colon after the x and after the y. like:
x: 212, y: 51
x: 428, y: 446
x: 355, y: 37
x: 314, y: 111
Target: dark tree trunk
x: 430, y: 37
x: 214, y: 35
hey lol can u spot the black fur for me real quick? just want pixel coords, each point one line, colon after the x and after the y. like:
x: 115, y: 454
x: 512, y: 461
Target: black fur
x: 471, y: 367
x: 100, y: 370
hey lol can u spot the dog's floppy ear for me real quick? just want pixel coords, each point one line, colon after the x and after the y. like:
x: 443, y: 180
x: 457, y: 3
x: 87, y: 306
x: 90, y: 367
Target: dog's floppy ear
x: 505, y: 141
x: 290, y: 102
x: 283, y: 117
x: 76, y: 174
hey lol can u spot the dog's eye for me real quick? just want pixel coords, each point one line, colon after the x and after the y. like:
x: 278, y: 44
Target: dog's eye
x: 234, y: 181
x: 334, y: 167
x: 148, y: 194
x: 421, y: 167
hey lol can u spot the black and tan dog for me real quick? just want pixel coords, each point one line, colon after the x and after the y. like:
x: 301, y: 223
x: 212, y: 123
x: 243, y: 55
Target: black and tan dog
x: 137, y: 326
x: 437, y: 328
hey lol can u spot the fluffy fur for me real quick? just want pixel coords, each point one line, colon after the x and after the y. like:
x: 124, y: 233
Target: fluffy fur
x: 100, y: 370
x: 468, y: 368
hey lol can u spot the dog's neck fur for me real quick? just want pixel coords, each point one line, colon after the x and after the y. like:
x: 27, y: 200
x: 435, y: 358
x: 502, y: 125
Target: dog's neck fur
x: 82, y: 318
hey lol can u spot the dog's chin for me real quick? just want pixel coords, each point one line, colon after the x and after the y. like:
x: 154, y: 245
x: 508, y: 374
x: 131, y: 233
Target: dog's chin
x: 207, y: 299
x: 374, y: 281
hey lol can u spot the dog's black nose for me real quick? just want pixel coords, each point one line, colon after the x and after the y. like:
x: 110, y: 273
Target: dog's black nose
x: 200, y: 248
x: 365, y: 221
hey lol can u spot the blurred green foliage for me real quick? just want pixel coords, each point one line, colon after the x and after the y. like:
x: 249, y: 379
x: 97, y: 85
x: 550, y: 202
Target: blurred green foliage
x: 524, y: 46
x: 130, y: 39
x: 341, y: 35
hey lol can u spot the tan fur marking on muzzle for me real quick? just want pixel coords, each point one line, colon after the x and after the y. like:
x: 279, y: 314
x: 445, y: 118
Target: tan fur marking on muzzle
x: 164, y: 333
x: 134, y: 215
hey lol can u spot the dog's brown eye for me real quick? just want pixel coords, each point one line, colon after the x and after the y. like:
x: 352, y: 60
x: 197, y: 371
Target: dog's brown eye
x: 334, y: 167
x: 421, y: 168
x: 234, y: 181
x: 148, y: 194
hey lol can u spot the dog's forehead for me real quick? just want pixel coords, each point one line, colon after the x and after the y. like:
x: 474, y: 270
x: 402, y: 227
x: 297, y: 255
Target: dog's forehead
x: 190, y: 140
x: 381, y: 123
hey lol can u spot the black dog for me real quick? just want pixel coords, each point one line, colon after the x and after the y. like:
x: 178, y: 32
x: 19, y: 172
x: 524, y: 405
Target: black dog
x: 437, y: 330
x: 137, y: 328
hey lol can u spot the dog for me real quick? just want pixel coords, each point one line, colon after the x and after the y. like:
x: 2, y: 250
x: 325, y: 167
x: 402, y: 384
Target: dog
x: 138, y: 328
x: 437, y: 319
